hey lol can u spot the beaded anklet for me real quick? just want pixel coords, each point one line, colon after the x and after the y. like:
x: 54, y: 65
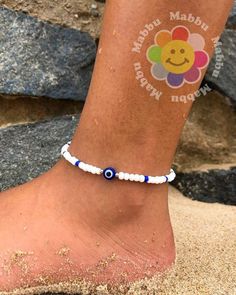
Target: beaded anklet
x: 110, y: 173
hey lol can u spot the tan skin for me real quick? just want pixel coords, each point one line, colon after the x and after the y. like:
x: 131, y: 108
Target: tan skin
x: 66, y: 222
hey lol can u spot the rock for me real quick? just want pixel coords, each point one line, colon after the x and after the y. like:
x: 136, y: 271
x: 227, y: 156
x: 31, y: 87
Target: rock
x: 69, y: 13
x: 232, y: 18
x: 216, y: 185
x: 222, y: 70
x: 208, y: 135
x: 17, y: 110
x: 208, y: 139
x: 40, y: 59
x: 28, y: 150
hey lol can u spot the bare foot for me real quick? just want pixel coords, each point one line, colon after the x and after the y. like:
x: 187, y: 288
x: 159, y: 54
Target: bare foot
x: 67, y: 224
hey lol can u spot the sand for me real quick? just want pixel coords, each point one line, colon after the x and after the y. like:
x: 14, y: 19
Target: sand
x: 206, y: 256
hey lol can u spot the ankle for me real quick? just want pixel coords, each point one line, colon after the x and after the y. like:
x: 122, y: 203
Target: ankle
x: 126, y: 214
x: 110, y: 202
x: 133, y: 148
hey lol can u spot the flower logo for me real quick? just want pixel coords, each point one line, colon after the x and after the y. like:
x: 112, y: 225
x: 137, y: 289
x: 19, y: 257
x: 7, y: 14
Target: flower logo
x: 178, y: 56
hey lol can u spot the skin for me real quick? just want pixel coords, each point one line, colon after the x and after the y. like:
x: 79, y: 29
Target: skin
x: 66, y: 223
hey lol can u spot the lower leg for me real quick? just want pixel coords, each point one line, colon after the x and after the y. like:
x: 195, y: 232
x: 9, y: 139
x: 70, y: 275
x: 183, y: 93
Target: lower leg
x: 121, y: 124
x: 82, y: 225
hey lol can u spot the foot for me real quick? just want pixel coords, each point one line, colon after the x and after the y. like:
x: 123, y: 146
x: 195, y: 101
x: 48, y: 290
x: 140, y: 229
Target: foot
x: 67, y: 225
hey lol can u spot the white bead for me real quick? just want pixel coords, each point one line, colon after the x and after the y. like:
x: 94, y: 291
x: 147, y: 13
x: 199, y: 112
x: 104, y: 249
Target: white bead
x: 85, y: 167
x: 121, y: 175
x: 152, y: 180
x: 171, y: 176
x: 67, y: 156
x: 149, y: 179
x: 89, y: 168
x: 136, y: 177
x: 71, y: 161
x: 126, y: 176
x: 161, y: 179
x: 64, y: 149
x: 81, y: 165
x: 93, y: 170
x: 141, y: 178
x: 157, y: 179
x: 131, y: 177
x: 99, y: 171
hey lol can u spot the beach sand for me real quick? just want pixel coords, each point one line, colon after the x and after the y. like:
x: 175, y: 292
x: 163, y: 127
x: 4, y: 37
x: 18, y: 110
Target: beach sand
x: 206, y: 256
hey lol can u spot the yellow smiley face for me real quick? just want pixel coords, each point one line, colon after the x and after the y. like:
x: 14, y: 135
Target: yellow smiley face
x: 177, y: 56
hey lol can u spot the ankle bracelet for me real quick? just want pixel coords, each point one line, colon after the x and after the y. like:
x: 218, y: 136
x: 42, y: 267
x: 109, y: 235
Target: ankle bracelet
x: 110, y: 173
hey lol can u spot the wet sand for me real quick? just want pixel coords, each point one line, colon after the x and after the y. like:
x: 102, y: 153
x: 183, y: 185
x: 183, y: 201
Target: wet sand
x: 206, y: 256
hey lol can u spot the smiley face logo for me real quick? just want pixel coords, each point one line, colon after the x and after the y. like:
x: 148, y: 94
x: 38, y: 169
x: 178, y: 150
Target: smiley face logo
x: 178, y: 57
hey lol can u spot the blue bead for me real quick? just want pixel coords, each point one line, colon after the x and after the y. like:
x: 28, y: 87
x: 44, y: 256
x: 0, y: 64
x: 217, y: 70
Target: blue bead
x: 166, y: 179
x: 146, y: 179
x: 77, y: 163
x: 109, y: 173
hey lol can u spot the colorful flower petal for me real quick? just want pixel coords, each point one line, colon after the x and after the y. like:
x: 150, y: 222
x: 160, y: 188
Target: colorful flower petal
x: 196, y: 41
x: 175, y: 80
x: 159, y: 72
x: 201, y: 59
x: 180, y: 33
x: 193, y: 75
x: 162, y: 38
x: 154, y: 54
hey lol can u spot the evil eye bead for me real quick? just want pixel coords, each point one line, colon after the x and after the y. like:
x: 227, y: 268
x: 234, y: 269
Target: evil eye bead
x: 109, y: 173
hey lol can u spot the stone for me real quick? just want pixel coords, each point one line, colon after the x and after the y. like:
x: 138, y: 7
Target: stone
x: 42, y: 59
x: 222, y: 70
x: 28, y: 150
x: 208, y: 135
x: 18, y: 110
x: 211, y: 186
x: 232, y: 17
x: 206, y: 152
